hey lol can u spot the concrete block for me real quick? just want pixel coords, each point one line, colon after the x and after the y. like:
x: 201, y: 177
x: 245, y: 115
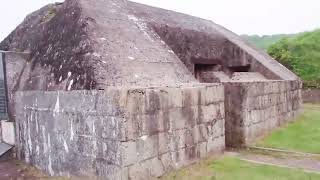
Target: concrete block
x: 275, y: 87
x: 212, y: 94
x: 85, y: 145
x: 164, y: 143
x: 217, y: 129
x: 8, y: 132
x: 44, y: 101
x: 273, y: 99
x: 146, y: 170
x: 153, y: 103
x: 282, y: 86
x: 200, y: 133
x: 209, y: 113
x: 221, y: 112
x: 84, y: 125
x: 155, y: 122
x: 129, y: 153
x: 215, y: 145
x: 181, y: 118
x: 75, y: 101
x: 185, y: 156
x: 147, y: 147
x: 273, y: 122
x: 105, y: 170
x: 164, y: 99
x: 111, y: 128
x: 168, y: 161
x: 136, y: 102
x: 112, y: 101
x: 267, y: 87
x: 122, y: 174
x: 181, y: 139
x: 133, y: 124
x: 294, y: 85
x: 202, y: 150
x: 191, y: 96
x: 175, y: 98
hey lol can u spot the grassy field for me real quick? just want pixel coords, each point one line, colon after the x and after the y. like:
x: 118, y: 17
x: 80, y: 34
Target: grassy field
x: 231, y: 168
x: 301, y: 135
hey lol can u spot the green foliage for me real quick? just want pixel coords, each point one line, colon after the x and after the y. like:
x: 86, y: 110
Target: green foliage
x: 301, y: 54
x: 263, y: 42
x: 301, y: 135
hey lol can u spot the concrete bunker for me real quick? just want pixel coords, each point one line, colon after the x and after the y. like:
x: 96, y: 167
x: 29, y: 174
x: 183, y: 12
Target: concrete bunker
x: 258, y: 95
x: 125, y: 91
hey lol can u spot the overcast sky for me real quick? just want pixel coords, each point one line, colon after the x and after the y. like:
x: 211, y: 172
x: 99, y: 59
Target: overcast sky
x: 241, y: 16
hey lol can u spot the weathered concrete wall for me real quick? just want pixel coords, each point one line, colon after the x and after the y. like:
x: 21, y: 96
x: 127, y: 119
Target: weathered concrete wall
x: 311, y: 95
x: 120, y: 133
x: 254, y: 108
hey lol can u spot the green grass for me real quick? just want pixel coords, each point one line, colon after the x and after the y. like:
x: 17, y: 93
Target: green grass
x: 301, y: 135
x: 231, y: 168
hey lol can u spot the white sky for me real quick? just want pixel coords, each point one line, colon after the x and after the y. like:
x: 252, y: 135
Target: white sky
x: 240, y: 16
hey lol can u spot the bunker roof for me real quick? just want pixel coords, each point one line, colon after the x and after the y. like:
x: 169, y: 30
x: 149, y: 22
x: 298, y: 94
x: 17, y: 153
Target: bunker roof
x: 92, y: 44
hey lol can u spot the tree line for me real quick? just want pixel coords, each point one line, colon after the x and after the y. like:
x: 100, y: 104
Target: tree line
x: 299, y: 53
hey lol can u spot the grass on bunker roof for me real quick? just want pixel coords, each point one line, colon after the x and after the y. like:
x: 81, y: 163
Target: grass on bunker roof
x: 301, y: 135
x: 232, y: 168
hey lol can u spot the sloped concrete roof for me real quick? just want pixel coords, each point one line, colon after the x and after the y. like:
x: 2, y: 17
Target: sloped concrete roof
x: 92, y: 44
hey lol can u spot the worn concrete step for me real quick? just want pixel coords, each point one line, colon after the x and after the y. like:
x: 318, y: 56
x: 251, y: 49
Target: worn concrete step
x: 7, y: 132
x: 4, y: 147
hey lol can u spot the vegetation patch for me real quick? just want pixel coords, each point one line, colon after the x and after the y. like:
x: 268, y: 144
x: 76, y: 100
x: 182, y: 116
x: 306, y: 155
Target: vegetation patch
x: 298, y: 52
x: 301, y: 135
x: 301, y: 54
x: 231, y: 168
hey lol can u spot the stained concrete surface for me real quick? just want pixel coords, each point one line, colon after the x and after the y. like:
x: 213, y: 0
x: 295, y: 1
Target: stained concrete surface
x: 135, y: 133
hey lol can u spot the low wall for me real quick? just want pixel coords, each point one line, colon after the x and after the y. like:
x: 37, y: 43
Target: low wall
x: 311, y: 95
x: 120, y: 133
x: 254, y: 108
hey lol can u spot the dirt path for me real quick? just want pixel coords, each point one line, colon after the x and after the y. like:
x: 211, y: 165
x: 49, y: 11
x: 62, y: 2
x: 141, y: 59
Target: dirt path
x: 308, y: 165
x: 305, y: 163
x: 14, y: 170
x: 17, y: 170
